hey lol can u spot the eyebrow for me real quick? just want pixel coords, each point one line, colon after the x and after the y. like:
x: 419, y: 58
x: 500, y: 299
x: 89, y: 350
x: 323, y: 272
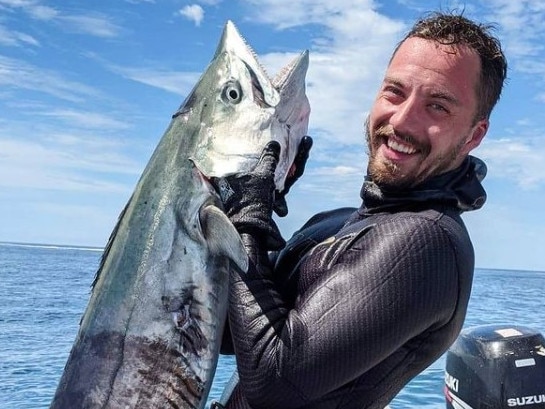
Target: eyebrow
x: 436, y: 94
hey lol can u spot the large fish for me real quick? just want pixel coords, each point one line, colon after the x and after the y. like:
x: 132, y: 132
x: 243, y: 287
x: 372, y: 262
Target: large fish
x: 150, y: 335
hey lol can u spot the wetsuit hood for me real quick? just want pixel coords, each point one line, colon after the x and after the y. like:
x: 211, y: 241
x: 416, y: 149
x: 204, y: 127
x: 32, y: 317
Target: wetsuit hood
x: 460, y: 188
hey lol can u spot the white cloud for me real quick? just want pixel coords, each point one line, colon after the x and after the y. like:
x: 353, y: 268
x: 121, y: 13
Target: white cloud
x: 180, y: 83
x: 522, y: 32
x: 502, y: 237
x: 521, y: 23
x: 17, y: 3
x: 67, y: 150
x: 40, y: 12
x: 519, y: 160
x: 287, y: 13
x: 95, y: 24
x: 532, y: 66
x: 16, y: 38
x: 193, y: 13
x: 18, y: 74
x: 452, y: 5
x: 87, y: 120
x: 63, y: 164
x: 338, y: 171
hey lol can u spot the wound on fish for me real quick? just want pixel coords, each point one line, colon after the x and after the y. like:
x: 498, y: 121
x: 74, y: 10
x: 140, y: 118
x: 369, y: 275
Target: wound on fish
x: 192, y: 339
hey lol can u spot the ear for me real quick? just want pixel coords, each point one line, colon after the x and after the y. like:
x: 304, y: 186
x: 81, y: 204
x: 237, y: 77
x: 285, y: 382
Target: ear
x: 476, y: 135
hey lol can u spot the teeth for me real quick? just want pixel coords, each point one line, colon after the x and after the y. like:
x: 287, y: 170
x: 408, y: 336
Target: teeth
x: 396, y: 146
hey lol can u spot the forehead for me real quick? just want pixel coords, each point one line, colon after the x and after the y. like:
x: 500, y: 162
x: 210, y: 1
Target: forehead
x: 426, y: 62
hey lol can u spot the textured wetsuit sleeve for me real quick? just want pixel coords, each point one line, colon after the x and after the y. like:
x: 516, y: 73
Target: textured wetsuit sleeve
x: 371, y: 295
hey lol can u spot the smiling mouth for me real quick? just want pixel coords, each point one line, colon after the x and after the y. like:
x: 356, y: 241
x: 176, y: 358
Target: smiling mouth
x: 399, y: 146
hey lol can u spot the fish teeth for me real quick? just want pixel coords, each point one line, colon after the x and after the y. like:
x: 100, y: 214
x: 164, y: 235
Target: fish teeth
x: 283, y: 77
x: 252, y: 52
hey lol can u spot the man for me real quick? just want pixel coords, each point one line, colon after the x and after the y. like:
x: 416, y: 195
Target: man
x: 347, y: 321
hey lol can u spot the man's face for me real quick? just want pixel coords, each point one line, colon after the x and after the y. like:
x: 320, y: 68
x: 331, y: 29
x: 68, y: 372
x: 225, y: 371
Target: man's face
x: 423, y: 120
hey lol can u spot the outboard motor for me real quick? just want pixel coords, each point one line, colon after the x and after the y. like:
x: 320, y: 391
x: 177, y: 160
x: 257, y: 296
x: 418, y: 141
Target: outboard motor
x: 496, y: 367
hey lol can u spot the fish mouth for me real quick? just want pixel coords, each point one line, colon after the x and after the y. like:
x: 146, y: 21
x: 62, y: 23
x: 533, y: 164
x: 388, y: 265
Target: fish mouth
x: 207, y: 183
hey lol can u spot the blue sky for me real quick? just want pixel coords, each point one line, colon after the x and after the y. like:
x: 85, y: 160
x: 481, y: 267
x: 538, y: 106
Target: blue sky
x: 88, y: 88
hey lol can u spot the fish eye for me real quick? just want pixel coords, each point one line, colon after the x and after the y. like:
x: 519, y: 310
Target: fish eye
x: 232, y: 93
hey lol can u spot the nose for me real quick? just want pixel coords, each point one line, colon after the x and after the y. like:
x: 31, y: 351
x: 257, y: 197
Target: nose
x: 406, y: 116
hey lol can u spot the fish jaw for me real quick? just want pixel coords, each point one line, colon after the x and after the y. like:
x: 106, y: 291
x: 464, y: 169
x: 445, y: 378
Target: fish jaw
x: 292, y: 113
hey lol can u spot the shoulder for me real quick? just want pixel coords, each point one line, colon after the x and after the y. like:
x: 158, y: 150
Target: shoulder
x: 423, y: 225
x: 431, y: 237
x: 425, y: 240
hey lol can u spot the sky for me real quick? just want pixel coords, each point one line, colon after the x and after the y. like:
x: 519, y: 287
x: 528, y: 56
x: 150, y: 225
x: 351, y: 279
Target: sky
x: 87, y: 89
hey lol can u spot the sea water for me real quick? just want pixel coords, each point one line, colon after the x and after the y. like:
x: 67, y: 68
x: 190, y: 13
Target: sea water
x: 45, y: 289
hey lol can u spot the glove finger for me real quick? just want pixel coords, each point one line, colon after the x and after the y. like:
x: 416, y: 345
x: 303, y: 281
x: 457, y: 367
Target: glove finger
x: 305, y: 145
x: 302, y: 155
x: 280, y: 206
x: 299, y: 163
x: 269, y: 158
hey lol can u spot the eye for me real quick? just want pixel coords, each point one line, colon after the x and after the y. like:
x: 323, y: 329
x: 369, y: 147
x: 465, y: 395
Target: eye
x: 439, y: 108
x: 393, y: 90
x: 232, y: 93
x: 393, y: 93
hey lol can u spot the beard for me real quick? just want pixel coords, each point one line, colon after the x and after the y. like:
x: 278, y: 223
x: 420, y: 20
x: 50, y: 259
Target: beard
x: 387, y: 173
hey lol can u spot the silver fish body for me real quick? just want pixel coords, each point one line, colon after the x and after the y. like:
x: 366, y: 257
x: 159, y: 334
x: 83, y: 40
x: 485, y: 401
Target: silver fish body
x: 151, y: 332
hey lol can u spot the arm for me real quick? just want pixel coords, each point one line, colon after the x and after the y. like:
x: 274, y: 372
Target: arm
x: 372, y: 294
x: 249, y: 200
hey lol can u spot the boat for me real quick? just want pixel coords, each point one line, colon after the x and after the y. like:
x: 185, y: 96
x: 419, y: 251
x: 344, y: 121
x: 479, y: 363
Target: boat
x: 496, y: 367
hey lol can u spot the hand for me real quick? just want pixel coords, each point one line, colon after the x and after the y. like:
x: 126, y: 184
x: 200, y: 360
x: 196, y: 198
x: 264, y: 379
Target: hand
x: 248, y: 199
x: 280, y: 206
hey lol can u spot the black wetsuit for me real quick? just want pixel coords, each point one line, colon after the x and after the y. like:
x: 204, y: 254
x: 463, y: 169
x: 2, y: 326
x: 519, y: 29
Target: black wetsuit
x: 359, y: 315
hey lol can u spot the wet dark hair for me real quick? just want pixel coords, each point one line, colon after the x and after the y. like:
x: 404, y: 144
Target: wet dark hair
x: 455, y: 29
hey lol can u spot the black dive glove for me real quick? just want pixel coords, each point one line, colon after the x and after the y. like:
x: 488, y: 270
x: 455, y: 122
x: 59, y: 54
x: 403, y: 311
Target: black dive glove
x: 248, y: 199
x: 280, y: 206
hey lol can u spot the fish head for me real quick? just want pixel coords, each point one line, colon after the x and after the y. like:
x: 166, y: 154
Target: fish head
x: 237, y: 109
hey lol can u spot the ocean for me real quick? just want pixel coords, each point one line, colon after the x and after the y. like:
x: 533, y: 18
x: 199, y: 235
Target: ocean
x: 44, y: 291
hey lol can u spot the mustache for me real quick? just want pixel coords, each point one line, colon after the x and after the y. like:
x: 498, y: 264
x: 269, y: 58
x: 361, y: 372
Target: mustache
x: 386, y: 131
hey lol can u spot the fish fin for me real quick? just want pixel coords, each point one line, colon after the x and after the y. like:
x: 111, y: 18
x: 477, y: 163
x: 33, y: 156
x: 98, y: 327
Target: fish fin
x: 222, y: 237
x: 109, y: 244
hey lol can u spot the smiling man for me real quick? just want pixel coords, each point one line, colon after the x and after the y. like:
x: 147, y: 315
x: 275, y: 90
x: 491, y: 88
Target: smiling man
x: 360, y: 301
x: 425, y: 119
